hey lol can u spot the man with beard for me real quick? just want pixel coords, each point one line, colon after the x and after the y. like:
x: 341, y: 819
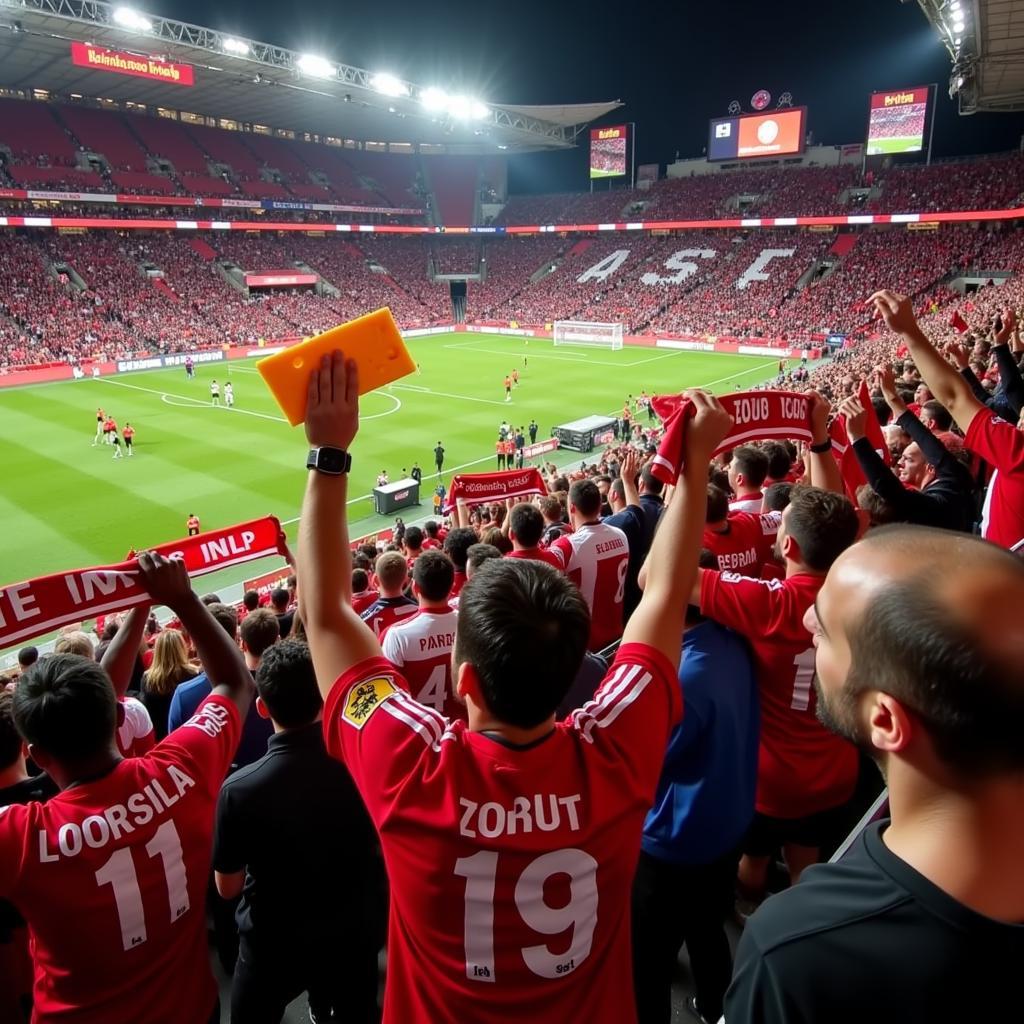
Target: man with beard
x: 919, y: 661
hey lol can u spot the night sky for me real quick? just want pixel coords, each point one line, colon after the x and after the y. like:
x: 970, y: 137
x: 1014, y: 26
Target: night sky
x: 674, y: 65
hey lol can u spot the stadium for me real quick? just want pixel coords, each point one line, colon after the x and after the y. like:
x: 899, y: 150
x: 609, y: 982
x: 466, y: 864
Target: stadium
x: 178, y: 203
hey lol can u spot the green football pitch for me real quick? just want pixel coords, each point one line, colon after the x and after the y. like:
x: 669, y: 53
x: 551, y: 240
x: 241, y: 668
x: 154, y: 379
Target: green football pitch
x: 66, y: 503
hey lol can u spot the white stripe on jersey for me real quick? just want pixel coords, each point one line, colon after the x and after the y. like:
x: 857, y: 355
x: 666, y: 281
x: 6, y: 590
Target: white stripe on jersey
x: 417, y: 724
x: 615, y: 698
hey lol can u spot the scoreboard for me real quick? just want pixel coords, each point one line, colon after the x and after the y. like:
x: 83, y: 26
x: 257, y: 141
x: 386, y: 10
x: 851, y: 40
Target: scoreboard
x: 748, y: 136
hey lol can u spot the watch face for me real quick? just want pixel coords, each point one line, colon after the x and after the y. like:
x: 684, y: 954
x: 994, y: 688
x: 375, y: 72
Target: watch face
x: 332, y: 460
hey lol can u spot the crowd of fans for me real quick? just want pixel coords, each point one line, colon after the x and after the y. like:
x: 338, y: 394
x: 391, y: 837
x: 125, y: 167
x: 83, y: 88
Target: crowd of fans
x: 76, y: 298
x: 458, y: 700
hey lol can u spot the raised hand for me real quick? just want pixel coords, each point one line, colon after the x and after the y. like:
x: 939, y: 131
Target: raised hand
x: 958, y: 353
x: 709, y: 426
x: 332, y: 402
x: 165, y: 579
x: 896, y: 310
x: 856, y: 417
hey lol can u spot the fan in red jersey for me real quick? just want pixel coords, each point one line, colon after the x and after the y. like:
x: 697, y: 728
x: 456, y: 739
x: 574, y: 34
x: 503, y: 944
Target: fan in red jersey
x: 805, y: 773
x: 595, y: 556
x: 391, y: 574
x: 511, y: 840
x: 111, y: 873
x: 421, y: 644
x: 741, y: 541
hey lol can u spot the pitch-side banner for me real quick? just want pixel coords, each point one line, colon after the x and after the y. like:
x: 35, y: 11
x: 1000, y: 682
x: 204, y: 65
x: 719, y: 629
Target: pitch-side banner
x: 99, y: 58
x: 34, y: 607
x: 476, y: 488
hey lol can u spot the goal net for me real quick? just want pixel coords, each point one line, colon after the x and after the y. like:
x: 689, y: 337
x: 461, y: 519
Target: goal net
x: 581, y: 332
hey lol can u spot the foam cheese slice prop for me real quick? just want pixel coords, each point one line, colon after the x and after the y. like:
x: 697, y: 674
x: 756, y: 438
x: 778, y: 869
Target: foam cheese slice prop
x: 372, y: 341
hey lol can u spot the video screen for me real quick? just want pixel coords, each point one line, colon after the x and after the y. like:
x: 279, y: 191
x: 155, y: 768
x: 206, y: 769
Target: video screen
x: 897, y: 121
x: 780, y: 133
x: 608, y: 152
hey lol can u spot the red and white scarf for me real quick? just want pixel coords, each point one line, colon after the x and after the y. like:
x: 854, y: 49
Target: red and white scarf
x: 34, y: 607
x: 477, y: 488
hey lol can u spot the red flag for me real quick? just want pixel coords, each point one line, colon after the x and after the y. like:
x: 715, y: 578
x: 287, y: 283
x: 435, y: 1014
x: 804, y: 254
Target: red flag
x: 849, y: 467
x: 957, y: 322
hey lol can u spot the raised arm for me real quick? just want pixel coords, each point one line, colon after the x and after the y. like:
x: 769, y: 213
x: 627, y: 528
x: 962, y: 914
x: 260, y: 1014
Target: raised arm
x: 628, y: 471
x: 948, y: 386
x: 883, y: 481
x: 822, y: 467
x: 672, y: 561
x: 118, y: 660
x: 1009, y: 371
x: 168, y: 584
x: 338, y: 638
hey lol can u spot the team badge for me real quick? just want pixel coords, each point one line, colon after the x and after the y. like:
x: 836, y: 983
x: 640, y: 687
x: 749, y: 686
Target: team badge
x: 365, y: 698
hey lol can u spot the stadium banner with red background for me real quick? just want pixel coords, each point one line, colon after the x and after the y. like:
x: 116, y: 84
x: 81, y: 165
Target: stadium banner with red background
x: 34, y: 607
x: 278, y: 279
x: 540, y: 448
x: 896, y: 121
x: 478, y: 488
x: 608, y: 152
x: 99, y: 58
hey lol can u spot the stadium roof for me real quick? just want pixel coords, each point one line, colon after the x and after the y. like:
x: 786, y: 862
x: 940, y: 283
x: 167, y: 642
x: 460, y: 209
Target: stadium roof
x: 985, y: 38
x: 259, y: 83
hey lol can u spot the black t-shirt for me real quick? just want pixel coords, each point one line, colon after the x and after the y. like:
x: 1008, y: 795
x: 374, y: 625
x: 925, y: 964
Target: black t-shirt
x: 284, y: 621
x: 871, y: 939
x: 38, y: 788
x: 295, y: 822
x: 439, y: 454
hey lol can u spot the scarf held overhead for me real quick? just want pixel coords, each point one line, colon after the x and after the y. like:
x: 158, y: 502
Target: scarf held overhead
x: 757, y: 416
x: 476, y: 488
x: 34, y: 607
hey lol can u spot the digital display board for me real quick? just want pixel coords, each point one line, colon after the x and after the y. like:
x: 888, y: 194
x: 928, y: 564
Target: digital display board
x: 99, y: 58
x: 608, y: 152
x: 780, y: 133
x: 896, y: 121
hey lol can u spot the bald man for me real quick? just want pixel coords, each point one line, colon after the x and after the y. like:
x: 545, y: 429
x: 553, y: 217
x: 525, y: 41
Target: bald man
x: 920, y: 662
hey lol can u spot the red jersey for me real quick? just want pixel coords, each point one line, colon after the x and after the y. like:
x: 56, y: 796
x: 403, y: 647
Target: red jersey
x: 128, y: 433
x: 193, y: 523
x: 430, y: 544
x: 802, y: 767
x: 747, y: 543
x: 538, y: 555
x: 421, y: 646
x: 1002, y: 445
x: 360, y: 602
x: 595, y: 557
x: 111, y: 877
x: 510, y: 869
x: 458, y: 583
x: 386, y: 610
x: 135, y: 735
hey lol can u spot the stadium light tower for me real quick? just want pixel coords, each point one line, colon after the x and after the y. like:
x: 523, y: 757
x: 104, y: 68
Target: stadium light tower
x: 389, y: 85
x: 315, y: 66
x: 235, y: 46
x: 465, y: 109
x: 128, y: 17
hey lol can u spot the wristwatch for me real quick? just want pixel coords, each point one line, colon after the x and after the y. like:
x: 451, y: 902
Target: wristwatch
x: 333, y: 461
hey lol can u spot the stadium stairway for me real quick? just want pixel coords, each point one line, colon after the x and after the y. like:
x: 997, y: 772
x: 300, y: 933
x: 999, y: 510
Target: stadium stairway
x: 161, y: 286
x: 207, y: 252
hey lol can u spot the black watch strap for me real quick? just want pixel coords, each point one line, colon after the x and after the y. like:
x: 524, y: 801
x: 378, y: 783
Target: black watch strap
x: 332, y: 461
x: 820, y: 449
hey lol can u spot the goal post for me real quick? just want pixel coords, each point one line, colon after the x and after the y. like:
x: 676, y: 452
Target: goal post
x: 588, y: 334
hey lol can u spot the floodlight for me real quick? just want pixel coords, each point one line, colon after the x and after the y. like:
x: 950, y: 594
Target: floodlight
x: 465, y: 109
x: 235, y: 46
x: 955, y: 6
x: 957, y: 41
x: 389, y: 85
x: 318, y: 67
x: 434, y: 99
x: 128, y: 17
x: 958, y: 26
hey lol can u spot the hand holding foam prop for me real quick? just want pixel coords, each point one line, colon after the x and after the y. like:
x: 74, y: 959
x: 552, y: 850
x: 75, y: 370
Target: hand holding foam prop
x: 372, y: 341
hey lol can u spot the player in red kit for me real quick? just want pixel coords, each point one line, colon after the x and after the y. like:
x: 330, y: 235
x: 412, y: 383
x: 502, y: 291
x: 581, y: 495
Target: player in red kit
x: 508, y: 389
x: 111, y: 874
x: 595, y: 556
x: 192, y: 523
x: 511, y: 841
x: 421, y: 644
